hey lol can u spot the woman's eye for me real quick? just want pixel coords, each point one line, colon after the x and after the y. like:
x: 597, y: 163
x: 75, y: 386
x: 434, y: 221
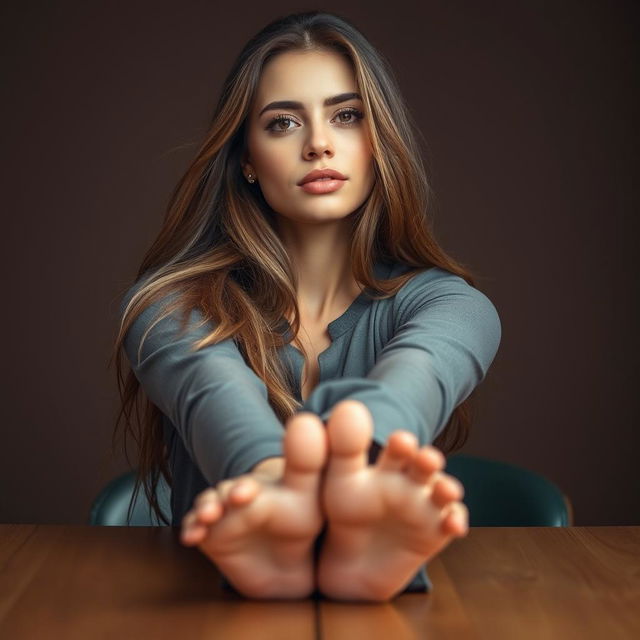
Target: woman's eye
x: 354, y: 114
x: 274, y: 124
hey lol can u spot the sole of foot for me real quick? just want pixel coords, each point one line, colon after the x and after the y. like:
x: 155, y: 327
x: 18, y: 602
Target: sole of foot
x: 384, y: 520
x: 259, y: 530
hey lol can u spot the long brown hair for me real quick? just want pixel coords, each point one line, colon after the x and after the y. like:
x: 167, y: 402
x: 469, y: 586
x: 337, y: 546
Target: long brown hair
x: 218, y: 248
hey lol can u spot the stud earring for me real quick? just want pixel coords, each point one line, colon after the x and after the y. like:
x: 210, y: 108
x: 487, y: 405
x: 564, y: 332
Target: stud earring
x: 250, y: 178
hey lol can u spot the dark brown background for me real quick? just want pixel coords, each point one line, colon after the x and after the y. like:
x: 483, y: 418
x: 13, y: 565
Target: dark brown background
x: 527, y: 110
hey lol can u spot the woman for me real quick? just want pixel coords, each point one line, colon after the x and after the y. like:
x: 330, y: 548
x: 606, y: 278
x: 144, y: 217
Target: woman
x: 297, y: 338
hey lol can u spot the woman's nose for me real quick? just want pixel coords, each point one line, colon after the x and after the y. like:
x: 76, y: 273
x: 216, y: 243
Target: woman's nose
x: 318, y: 142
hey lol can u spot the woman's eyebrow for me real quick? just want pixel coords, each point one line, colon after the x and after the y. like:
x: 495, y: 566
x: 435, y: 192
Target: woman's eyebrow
x: 292, y: 104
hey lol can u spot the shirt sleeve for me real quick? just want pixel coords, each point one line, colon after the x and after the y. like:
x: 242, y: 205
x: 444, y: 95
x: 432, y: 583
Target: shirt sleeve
x: 216, y: 402
x: 446, y: 334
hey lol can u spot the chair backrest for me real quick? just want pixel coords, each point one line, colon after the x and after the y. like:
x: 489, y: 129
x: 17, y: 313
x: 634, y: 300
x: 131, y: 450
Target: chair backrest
x: 499, y: 494
x: 111, y: 506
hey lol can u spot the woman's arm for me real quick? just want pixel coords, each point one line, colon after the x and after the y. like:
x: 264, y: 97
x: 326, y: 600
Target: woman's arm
x: 214, y: 399
x: 446, y: 334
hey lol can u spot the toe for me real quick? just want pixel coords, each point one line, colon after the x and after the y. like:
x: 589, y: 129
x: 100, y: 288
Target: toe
x: 456, y: 520
x: 445, y: 489
x: 207, y: 507
x: 192, y: 532
x: 426, y: 462
x: 305, y: 450
x: 243, y: 492
x: 223, y: 489
x: 236, y: 492
x: 349, y: 429
x: 205, y: 496
x: 399, y: 452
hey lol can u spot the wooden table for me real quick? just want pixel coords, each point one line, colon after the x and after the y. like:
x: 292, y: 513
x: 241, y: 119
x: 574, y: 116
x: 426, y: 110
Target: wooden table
x: 65, y: 581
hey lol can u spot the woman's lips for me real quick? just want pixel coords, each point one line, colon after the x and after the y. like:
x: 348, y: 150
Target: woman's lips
x: 322, y: 186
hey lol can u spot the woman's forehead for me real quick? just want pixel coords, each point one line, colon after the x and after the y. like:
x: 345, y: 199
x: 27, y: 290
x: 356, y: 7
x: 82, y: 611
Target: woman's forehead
x: 310, y: 76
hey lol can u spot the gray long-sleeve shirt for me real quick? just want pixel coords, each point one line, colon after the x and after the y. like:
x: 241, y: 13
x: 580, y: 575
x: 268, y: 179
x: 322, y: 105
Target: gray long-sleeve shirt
x: 411, y: 359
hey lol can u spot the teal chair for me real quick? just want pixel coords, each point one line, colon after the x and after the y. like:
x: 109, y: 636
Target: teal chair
x: 497, y: 494
x: 111, y: 506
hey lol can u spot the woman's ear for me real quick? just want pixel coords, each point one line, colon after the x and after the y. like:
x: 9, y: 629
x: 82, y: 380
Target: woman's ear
x: 247, y: 169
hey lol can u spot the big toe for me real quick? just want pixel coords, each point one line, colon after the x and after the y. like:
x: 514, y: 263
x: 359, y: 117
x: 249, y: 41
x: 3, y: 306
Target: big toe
x: 305, y: 449
x: 350, y: 430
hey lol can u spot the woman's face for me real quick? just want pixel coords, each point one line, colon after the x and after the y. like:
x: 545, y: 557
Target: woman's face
x: 286, y: 142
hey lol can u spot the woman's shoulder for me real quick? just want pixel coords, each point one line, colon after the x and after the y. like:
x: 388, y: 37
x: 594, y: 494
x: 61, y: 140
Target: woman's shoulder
x: 158, y: 302
x: 159, y: 313
x: 436, y: 287
x: 427, y: 279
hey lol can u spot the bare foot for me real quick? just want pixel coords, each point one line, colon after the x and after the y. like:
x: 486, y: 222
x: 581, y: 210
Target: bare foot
x: 387, y: 519
x: 259, y: 529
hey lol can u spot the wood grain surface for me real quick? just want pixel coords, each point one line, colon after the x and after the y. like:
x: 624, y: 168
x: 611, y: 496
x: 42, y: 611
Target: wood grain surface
x: 74, y: 581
